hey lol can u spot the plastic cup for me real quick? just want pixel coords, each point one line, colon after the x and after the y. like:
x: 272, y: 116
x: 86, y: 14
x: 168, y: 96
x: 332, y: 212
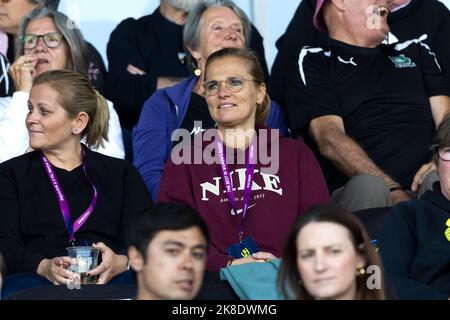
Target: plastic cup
x: 86, y: 259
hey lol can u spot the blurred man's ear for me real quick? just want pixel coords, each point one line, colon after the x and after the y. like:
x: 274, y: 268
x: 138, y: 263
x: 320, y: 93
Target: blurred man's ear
x: 136, y: 259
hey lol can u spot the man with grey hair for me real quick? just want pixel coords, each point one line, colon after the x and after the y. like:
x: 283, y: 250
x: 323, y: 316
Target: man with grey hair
x: 371, y: 109
x: 148, y: 54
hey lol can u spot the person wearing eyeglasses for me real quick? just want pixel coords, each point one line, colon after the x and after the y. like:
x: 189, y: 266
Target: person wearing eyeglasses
x: 47, y: 42
x: 210, y: 26
x: 248, y: 201
x: 12, y: 12
x: 148, y: 53
x: 414, y: 241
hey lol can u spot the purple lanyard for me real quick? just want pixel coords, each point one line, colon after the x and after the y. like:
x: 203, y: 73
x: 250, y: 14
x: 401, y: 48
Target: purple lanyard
x: 64, y: 206
x: 226, y: 176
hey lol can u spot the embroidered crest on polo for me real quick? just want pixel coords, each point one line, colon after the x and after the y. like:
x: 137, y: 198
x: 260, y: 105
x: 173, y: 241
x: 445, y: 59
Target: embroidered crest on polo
x: 447, y: 232
x: 402, y: 61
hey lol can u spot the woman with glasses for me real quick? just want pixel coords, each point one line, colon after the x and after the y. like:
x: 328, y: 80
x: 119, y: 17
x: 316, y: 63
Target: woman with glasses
x: 210, y: 26
x: 12, y: 13
x: 414, y: 242
x: 246, y: 181
x: 47, y: 42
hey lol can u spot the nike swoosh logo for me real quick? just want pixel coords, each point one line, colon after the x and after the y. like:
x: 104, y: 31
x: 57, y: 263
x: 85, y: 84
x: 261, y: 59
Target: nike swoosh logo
x: 240, y: 210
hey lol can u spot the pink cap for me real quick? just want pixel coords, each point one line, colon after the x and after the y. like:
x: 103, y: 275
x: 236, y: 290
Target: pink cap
x: 3, y: 43
x: 318, y: 20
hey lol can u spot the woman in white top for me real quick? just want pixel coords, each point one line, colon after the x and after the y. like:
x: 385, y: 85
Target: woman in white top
x: 48, y: 40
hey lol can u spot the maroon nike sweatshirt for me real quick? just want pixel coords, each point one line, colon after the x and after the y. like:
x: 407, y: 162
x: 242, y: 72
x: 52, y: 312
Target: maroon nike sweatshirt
x: 277, y: 198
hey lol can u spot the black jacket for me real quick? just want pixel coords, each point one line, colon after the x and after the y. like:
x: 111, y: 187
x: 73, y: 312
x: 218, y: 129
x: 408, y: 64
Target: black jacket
x: 415, y: 247
x: 31, y: 223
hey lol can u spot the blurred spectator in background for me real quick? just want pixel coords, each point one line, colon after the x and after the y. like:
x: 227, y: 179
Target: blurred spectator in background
x: 328, y: 256
x: 11, y: 14
x: 46, y: 43
x: 168, y: 250
x: 149, y: 54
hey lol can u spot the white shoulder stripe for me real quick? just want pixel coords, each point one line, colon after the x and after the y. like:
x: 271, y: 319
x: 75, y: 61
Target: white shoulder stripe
x: 403, y: 45
x: 303, y: 54
x: 406, y: 44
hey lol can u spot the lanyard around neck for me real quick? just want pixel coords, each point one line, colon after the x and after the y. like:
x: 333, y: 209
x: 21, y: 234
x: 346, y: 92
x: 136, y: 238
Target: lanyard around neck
x: 226, y: 177
x: 63, y: 204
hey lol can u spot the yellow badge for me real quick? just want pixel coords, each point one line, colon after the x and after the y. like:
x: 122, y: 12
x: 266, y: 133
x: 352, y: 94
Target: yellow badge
x: 447, y: 232
x: 246, y: 253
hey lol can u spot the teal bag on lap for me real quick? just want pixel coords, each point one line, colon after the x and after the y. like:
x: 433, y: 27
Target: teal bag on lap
x: 254, y: 281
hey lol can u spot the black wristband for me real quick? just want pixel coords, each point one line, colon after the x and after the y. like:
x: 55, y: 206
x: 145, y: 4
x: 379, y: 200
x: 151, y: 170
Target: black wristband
x: 396, y: 188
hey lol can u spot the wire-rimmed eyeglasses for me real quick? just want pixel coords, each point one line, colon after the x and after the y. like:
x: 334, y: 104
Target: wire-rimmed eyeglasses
x: 233, y: 84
